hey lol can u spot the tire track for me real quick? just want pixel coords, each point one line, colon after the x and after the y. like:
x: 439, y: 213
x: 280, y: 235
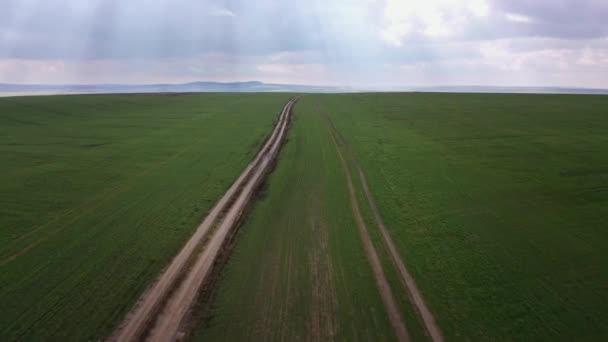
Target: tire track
x: 428, y: 319
x: 408, y: 281
x: 372, y: 255
x: 168, y: 301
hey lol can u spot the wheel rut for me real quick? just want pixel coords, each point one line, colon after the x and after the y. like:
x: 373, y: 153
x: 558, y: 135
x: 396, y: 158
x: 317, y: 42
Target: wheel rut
x: 162, y: 309
x: 386, y: 294
x: 430, y: 324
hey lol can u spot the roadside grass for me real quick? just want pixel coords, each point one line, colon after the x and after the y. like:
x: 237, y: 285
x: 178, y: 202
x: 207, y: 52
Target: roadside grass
x: 99, y: 192
x: 497, y: 203
x: 298, y: 270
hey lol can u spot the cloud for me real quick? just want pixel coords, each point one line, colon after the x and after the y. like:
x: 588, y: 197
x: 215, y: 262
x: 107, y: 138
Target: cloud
x: 494, y: 19
x: 518, y: 18
x: 433, y: 18
x: 351, y: 42
x: 221, y: 12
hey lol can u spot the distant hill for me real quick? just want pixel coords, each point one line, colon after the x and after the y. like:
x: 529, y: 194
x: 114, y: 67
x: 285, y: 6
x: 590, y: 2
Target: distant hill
x: 252, y: 86
x: 512, y: 90
x: 255, y: 86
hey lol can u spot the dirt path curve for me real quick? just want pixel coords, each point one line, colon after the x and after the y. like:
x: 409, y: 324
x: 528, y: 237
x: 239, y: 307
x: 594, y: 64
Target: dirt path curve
x: 163, y: 298
x: 384, y: 288
x: 408, y: 281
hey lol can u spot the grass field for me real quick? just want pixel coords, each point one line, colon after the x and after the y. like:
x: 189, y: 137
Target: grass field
x: 297, y: 271
x: 498, y: 204
x: 98, y: 192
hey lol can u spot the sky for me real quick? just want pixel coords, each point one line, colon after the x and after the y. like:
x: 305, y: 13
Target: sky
x: 359, y: 43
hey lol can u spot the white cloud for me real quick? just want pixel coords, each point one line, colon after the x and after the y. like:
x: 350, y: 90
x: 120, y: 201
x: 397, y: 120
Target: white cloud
x: 221, y: 12
x: 433, y: 18
x: 352, y: 42
x: 518, y: 18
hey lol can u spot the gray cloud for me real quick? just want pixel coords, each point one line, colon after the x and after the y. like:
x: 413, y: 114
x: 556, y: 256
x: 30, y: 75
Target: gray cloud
x: 566, y: 19
x: 341, y: 40
x: 159, y: 28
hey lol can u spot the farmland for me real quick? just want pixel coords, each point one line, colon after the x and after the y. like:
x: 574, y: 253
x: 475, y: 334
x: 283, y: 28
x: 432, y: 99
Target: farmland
x: 297, y: 271
x: 498, y: 204
x: 495, y: 204
x: 99, y: 192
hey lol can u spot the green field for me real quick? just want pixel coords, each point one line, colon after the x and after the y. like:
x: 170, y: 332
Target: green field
x: 99, y: 192
x: 498, y: 205
x: 496, y: 202
x: 298, y: 271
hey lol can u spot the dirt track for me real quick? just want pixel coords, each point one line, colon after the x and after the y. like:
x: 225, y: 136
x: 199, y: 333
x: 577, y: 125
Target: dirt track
x: 383, y: 286
x: 425, y: 313
x: 162, y: 309
x: 407, y: 280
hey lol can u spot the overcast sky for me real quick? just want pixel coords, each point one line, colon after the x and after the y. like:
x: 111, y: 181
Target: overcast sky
x: 325, y: 42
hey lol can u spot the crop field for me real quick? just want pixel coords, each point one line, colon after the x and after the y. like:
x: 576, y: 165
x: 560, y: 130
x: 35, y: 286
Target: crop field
x: 99, y: 192
x: 385, y: 217
x: 297, y: 271
x: 498, y: 204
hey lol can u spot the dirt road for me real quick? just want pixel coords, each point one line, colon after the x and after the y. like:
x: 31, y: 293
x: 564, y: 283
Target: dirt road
x: 423, y: 310
x: 160, y: 311
x: 372, y: 255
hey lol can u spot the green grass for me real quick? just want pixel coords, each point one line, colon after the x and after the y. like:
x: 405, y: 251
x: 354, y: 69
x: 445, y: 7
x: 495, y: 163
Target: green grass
x: 298, y: 270
x: 498, y: 204
x: 99, y: 192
